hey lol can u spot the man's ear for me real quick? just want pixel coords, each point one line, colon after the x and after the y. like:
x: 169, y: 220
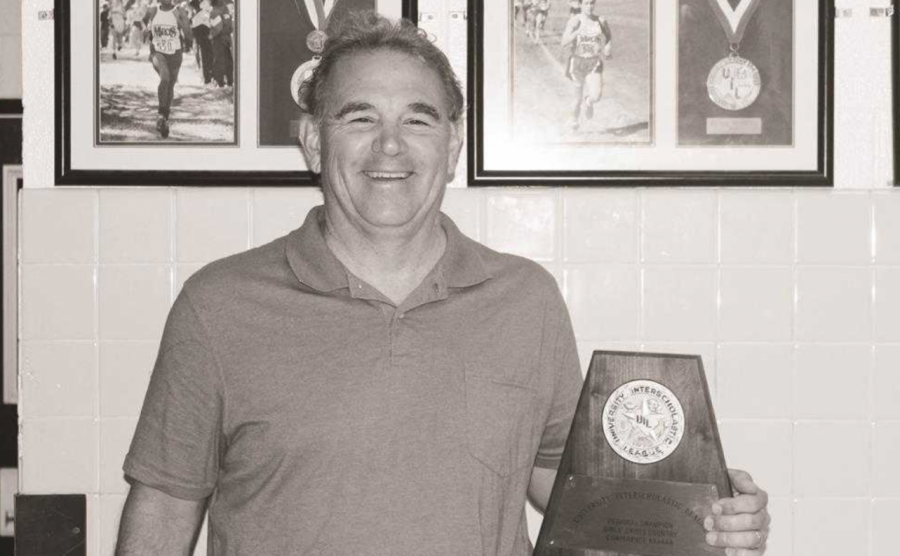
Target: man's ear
x: 457, y: 132
x: 310, y: 143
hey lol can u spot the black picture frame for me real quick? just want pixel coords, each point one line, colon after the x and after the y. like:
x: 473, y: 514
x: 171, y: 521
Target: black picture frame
x: 549, y: 164
x: 69, y: 171
x: 895, y: 87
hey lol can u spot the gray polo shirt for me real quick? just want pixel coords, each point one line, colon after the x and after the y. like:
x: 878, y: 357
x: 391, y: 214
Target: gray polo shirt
x: 323, y: 420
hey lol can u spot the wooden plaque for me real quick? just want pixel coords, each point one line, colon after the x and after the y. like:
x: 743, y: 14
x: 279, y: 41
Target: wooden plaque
x: 643, y: 462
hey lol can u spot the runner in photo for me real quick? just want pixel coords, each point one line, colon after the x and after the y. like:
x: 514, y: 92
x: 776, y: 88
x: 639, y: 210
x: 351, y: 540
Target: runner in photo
x: 590, y: 39
x: 170, y: 36
x: 570, y: 84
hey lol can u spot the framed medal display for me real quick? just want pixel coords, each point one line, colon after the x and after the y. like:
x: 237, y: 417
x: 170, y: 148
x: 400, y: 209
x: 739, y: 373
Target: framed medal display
x: 202, y: 92
x: 637, y: 92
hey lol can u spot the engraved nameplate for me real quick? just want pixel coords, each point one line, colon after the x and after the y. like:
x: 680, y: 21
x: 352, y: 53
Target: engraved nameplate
x: 653, y: 518
x: 734, y: 126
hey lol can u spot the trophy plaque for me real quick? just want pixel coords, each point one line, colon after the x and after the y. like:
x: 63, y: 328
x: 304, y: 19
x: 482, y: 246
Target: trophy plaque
x: 643, y: 462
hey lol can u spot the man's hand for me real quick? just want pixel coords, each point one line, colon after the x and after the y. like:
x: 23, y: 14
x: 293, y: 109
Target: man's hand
x: 741, y: 523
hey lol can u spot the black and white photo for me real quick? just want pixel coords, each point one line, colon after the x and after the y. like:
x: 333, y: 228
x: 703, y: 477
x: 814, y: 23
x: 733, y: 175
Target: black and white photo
x: 625, y: 93
x: 188, y: 92
x: 582, y: 71
x: 166, y: 72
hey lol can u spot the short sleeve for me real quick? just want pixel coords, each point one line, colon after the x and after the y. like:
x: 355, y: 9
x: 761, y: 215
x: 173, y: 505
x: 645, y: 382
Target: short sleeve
x: 175, y: 448
x: 559, y: 357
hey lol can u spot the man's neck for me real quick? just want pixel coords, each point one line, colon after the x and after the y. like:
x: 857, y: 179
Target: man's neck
x: 393, y: 263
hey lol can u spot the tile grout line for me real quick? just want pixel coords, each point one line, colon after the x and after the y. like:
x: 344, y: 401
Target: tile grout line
x: 97, y: 429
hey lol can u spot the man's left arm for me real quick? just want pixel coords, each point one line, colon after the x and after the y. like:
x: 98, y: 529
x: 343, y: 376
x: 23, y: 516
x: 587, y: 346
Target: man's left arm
x: 540, y: 486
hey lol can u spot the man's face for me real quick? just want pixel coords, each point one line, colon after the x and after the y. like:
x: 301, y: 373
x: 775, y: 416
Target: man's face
x: 387, y: 145
x: 587, y: 6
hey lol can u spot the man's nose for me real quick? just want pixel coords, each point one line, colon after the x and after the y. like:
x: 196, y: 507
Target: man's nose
x: 389, y: 141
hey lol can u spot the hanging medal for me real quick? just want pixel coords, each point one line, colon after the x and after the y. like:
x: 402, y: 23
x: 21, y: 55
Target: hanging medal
x: 734, y: 82
x: 315, y: 42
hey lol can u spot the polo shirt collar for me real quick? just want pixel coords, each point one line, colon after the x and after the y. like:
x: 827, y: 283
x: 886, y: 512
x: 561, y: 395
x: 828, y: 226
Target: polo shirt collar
x: 311, y: 259
x: 461, y: 264
x: 316, y: 266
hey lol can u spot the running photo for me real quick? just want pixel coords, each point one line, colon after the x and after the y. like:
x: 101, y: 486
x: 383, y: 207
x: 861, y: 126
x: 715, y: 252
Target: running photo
x: 166, y: 71
x: 582, y: 71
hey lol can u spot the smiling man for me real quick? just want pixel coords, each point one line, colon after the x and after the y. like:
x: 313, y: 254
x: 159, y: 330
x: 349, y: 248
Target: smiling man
x: 373, y: 383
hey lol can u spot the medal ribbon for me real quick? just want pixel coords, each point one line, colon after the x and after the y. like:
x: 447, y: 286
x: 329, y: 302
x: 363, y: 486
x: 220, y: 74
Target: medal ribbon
x: 320, y: 14
x: 734, y: 20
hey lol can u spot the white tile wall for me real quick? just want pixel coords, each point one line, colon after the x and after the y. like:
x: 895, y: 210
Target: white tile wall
x: 800, y: 346
x: 754, y: 381
x: 756, y: 304
x: 59, y: 379
x: 821, y: 386
x: 834, y: 304
x: 886, y: 383
x: 135, y: 226
x: 756, y: 227
x: 791, y: 296
x: 885, y: 517
x: 679, y: 226
x: 831, y: 527
x: 832, y: 458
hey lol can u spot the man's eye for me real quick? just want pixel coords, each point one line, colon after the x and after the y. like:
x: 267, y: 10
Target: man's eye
x: 360, y: 120
x: 418, y: 122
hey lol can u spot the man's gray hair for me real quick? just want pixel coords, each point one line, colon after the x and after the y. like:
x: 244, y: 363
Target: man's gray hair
x: 365, y: 32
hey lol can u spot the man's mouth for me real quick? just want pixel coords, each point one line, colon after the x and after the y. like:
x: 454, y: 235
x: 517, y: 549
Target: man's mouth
x: 388, y: 176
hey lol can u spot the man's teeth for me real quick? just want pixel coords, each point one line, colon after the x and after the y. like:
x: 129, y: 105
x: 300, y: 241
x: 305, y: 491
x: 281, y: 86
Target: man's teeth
x: 388, y: 175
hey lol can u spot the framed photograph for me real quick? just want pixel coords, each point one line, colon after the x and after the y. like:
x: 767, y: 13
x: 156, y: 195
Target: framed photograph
x: 637, y: 92
x: 188, y: 92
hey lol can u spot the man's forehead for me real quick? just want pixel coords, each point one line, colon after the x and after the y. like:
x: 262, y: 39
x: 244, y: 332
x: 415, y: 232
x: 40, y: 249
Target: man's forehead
x: 360, y: 73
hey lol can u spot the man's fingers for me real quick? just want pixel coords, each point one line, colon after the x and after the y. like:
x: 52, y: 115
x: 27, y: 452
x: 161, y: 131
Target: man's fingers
x: 739, y: 522
x: 742, y: 503
x: 742, y: 482
x: 751, y: 540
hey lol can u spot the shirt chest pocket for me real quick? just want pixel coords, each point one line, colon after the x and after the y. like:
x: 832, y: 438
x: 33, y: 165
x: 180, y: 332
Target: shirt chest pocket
x: 500, y: 423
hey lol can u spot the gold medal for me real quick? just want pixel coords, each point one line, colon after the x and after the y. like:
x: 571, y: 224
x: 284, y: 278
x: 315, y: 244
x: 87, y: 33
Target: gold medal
x: 315, y: 41
x: 733, y: 83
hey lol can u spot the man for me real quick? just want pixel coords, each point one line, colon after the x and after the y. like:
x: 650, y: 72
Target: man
x: 200, y: 31
x: 170, y: 32
x: 374, y: 383
x: 590, y: 39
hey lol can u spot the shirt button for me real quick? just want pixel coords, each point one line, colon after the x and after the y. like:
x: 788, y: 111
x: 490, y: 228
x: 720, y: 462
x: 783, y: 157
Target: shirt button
x: 401, y: 315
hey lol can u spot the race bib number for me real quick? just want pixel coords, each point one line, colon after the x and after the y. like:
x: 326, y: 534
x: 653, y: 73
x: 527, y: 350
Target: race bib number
x: 166, y: 39
x: 587, y: 49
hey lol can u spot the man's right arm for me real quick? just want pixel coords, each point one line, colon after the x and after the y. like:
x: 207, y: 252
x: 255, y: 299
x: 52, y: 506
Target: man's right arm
x: 157, y: 524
